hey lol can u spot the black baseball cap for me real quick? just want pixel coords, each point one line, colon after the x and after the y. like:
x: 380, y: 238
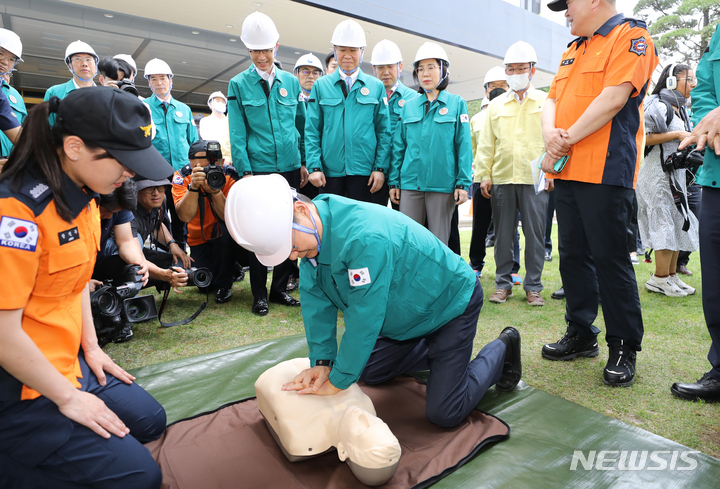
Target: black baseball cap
x: 200, y: 146
x: 116, y: 121
x: 558, y: 5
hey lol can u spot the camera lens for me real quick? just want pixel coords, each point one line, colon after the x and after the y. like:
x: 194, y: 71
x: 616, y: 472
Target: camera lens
x: 107, y: 303
x: 200, y: 277
x: 137, y: 311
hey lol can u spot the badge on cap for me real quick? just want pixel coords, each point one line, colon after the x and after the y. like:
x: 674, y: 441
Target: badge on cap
x: 401, y: 103
x: 443, y: 111
x: 178, y: 113
x: 359, y: 276
x: 283, y: 92
x: 18, y: 233
x: 147, y: 130
x: 638, y: 46
x: 12, y: 99
x: 365, y: 91
x: 464, y: 118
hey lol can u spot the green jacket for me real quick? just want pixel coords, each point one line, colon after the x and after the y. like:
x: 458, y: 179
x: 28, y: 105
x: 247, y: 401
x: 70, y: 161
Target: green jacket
x: 432, y: 151
x: 398, y: 100
x: 706, y: 97
x: 19, y: 111
x: 347, y: 136
x: 387, y: 274
x: 175, y: 131
x: 264, y: 128
x: 60, y: 91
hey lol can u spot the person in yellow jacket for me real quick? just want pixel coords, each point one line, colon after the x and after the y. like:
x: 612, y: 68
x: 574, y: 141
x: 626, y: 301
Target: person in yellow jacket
x: 512, y: 140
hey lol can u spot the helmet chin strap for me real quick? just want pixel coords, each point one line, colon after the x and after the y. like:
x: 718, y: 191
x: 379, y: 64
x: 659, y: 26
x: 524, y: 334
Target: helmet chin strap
x: 11, y: 70
x: 81, y: 78
x: 307, y: 230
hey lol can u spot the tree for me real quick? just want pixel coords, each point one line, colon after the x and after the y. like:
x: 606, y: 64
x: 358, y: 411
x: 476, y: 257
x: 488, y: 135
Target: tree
x: 680, y: 28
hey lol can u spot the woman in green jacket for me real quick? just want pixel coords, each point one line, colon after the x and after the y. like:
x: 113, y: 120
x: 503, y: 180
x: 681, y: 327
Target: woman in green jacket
x: 432, y: 153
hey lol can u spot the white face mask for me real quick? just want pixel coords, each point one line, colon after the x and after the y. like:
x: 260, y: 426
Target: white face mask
x: 219, y: 106
x: 518, y: 82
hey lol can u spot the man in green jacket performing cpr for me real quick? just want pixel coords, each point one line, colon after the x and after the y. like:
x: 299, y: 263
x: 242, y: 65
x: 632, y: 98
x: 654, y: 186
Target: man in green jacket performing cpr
x: 410, y: 304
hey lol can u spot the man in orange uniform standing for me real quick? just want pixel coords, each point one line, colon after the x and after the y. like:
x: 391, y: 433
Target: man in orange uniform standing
x: 594, y: 116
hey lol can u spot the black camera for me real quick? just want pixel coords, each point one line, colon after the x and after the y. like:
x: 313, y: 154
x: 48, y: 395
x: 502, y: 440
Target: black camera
x: 689, y: 158
x: 115, y: 306
x: 214, y: 174
x: 199, y: 277
x: 127, y: 86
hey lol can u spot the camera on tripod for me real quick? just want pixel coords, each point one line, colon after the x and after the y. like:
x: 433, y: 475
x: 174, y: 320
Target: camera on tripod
x: 214, y: 174
x: 115, y: 306
x: 688, y: 158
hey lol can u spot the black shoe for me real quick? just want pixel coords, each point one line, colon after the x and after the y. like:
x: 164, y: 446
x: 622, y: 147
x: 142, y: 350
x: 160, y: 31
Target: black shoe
x: 292, y: 284
x: 512, y: 365
x: 489, y: 242
x: 285, y: 299
x: 620, y: 368
x: 548, y: 256
x: 569, y: 347
x: 223, y: 295
x: 706, y: 389
x: 559, y: 294
x: 124, y: 335
x: 260, y: 307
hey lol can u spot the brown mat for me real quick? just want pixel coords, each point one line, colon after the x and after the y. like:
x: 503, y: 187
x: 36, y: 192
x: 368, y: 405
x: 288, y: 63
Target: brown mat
x: 232, y: 447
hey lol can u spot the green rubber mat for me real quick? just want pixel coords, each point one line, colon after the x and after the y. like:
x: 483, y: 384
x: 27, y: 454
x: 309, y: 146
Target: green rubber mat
x: 553, y: 443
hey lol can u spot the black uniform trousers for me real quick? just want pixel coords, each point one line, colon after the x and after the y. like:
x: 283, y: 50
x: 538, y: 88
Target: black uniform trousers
x: 219, y: 256
x: 592, y: 230
x: 710, y: 263
x: 282, y: 272
x: 353, y: 187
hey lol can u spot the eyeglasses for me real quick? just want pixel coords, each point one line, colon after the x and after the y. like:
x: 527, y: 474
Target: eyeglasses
x: 429, y: 69
x: 80, y: 59
x: 10, y: 57
x: 689, y: 79
x: 266, y: 52
x: 152, y: 190
x: 519, y: 71
x: 315, y: 73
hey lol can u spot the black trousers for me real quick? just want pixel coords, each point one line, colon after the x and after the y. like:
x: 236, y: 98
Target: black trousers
x: 710, y: 263
x: 282, y: 272
x: 177, y: 227
x: 694, y: 200
x: 482, y: 217
x: 353, y: 187
x: 549, y: 221
x: 219, y: 256
x: 592, y: 229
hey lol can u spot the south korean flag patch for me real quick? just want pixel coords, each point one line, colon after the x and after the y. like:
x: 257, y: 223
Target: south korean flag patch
x: 177, y: 179
x: 18, y: 233
x: 359, y: 276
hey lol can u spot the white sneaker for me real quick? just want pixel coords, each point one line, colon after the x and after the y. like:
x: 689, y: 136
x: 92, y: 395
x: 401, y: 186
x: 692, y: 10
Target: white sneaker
x: 682, y: 285
x: 664, y: 286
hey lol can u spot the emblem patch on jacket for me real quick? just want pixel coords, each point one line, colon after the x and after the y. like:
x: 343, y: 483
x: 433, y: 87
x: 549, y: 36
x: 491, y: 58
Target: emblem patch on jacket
x: 359, y: 276
x: 18, y: 233
x: 638, y: 46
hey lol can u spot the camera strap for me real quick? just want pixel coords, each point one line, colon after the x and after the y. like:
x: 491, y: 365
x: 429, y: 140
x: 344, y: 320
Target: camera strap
x: 184, y: 321
x: 216, y: 231
x: 680, y: 199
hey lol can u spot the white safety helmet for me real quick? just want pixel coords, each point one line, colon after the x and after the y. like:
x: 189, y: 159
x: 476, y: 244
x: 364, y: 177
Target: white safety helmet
x: 496, y: 73
x: 259, y: 32
x: 385, y: 53
x: 308, y: 60
x: 78, y: 47
x: 430, y: 50
x: 128, y: 59
x: 259, y: 215
x: 349, y: 33
x: 157, y: 67
x: 520, y: 52
x: 11, y: 42
x: 215, y: 95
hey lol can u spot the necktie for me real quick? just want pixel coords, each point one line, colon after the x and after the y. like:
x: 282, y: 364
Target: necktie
x: 388, y: 93
x: 348, y: 81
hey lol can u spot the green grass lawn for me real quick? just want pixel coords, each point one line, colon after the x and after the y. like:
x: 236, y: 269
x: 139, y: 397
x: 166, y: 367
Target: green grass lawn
x: 674, y: 348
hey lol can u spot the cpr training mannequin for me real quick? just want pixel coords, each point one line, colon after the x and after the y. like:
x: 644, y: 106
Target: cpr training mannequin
x: 307, y: 426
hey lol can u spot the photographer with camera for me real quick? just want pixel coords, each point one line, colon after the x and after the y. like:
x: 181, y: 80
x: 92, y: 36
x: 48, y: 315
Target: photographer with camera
x: 665, y: 226
x: 199, y: 190
x: 70, y: 416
